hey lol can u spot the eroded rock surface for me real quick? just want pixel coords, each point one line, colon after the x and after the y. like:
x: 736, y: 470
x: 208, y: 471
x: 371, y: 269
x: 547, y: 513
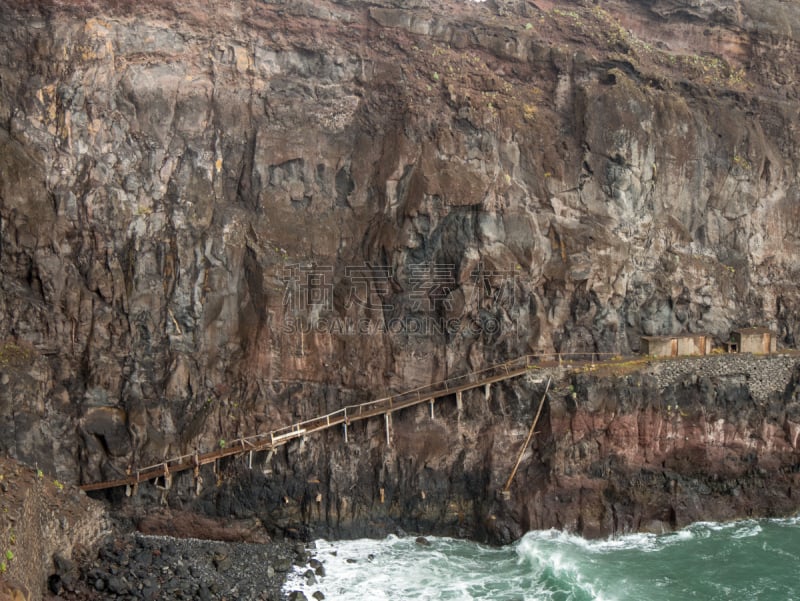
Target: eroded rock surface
x: 617, y: 450
x: 186, y: 186
x: 44, y: 524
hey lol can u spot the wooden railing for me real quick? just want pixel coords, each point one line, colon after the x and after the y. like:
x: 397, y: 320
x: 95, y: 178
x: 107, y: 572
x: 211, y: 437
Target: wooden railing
x: 349, y: 414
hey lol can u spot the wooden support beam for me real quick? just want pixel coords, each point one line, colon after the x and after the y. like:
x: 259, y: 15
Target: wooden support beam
x: 271, y: 440
x: 167, y: 477
x: 525, y: 445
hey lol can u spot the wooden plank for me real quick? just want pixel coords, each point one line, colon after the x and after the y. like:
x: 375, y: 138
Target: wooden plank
x: 271, y: 440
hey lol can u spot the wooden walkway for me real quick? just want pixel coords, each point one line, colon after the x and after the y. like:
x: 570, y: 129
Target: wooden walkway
x: 343, y: 417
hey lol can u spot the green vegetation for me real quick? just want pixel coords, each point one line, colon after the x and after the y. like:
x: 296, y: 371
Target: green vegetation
x: 14, y: 355
x: 462, y: 76
x: 742, y: 162
x: 529, y: 111
x: 7, y: 557
x: 675, y: 411
x: 567, y: 13
x: 623, y: 45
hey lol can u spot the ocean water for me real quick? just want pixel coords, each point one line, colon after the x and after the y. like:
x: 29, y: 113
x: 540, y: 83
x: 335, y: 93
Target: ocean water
x: 749, y: 560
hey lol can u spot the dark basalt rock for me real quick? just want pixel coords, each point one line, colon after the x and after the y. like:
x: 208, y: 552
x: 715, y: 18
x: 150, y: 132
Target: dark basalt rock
x: 190, y: 569
x: 197, y: 203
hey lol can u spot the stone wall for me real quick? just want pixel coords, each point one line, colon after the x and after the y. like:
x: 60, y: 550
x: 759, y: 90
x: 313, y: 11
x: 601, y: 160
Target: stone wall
x: 764, y: 375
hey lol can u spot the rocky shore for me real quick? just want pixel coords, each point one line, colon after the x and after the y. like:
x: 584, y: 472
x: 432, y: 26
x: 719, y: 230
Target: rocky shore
x: 137, y: 567
x: 58, y: 544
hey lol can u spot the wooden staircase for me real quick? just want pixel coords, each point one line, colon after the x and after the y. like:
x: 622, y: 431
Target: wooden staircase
x: 343, y: 417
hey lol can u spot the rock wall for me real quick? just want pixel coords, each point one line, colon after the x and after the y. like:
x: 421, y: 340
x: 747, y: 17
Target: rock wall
x: 633, y: 447
x: 202, y: 203
x: 640, y: 453
x: 43, y: 524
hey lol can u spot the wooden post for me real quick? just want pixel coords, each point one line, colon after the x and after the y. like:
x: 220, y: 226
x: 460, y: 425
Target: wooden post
x: 197, y: 479
x: 527, y: 441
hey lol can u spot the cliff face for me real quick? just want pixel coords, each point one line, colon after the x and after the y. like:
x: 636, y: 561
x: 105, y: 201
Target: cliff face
x: 664, y: 447
x: 203, y: 205
x: 617, y: 450
x: 43, y: 523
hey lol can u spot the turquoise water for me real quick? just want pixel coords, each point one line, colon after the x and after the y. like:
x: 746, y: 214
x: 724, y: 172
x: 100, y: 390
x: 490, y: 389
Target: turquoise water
x: 743, y: 560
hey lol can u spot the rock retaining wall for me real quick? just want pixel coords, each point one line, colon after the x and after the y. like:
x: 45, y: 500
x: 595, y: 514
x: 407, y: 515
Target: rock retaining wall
x: 765, y: 375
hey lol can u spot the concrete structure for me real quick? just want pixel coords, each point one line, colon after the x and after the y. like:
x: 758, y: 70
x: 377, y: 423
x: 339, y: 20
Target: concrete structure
x: 753, y: 340
x: 676, y: 345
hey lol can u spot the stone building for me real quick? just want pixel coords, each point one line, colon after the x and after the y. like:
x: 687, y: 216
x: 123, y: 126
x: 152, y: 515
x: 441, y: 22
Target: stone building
x: 676, y: 345
x: 753, y: 340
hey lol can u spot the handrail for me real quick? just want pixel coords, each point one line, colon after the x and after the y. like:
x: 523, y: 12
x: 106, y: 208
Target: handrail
x: 349, y: 413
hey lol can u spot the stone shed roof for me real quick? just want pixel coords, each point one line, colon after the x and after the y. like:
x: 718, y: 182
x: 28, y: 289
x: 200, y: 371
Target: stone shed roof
x: 673, y: 336
x: 752, y: 331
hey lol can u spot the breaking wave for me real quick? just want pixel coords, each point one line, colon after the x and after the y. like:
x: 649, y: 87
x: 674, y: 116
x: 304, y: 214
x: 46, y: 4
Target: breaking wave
x: 710, y: 561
